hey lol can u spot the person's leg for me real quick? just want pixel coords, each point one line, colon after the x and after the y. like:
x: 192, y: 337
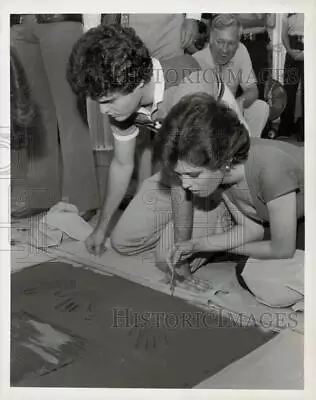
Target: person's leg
x: 140, y: 226
x: 43, y: 176
x: 302, y: 119
x: 79, y: 177
x: 276, y: 283
x: 259, y: 57
x: 256, y: 117
x: 291, y: 82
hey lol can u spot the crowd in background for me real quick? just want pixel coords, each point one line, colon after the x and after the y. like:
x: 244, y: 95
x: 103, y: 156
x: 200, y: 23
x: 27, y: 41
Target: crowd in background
x: 63, y: 129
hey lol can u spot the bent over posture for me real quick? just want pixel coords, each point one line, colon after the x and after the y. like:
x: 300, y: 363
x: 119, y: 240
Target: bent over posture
x: 110, y: 64
x: 203, y: 146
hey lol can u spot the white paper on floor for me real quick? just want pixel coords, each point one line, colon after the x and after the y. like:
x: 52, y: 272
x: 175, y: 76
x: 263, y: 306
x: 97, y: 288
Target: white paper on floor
x: 61, y: 221
x: 24, y: 255
x: 225, y: 293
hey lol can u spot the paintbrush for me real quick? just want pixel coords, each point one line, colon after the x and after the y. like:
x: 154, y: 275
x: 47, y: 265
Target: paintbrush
x: 173, y: 277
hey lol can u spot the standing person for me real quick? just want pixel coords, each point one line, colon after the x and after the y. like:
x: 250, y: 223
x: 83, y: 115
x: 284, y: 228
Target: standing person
x: 293, y: 41
x: 44, y: 43
x: 256, y: 31
x: 23, y: 134
x: 230, y: 59
x: 165, y: 35
x: 111, y: 65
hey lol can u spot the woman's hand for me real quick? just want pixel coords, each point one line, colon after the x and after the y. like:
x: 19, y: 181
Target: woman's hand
x: 179, y: 253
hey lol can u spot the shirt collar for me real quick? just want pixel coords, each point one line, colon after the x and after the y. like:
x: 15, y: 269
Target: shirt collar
x: 159, y: 88
x: 159, y: 83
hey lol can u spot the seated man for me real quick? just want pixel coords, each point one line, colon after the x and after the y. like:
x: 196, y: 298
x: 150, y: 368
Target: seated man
x: 230, y: 59
x: 110, y: 64
x: 263, y: 183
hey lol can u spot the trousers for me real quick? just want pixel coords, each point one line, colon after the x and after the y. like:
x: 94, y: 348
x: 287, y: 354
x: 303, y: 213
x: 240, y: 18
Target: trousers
x: 44, y: 50
x: 147, y: 224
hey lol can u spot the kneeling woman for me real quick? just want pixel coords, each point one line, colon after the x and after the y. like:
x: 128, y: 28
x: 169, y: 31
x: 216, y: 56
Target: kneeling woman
x: 262, y: 181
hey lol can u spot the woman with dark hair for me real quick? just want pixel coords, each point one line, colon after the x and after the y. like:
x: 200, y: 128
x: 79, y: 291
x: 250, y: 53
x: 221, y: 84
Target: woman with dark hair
x: 236, y: 189
x: 261, y: 182
x: 205, y: 145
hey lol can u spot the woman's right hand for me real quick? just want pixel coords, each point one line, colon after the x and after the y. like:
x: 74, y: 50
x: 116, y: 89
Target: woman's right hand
x: 95, y: 242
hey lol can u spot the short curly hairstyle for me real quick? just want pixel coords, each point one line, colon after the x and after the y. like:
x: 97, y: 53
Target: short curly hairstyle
x: 108, y: 59
x: 203, y: 132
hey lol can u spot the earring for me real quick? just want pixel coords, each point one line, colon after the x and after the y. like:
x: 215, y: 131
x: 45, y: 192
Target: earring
x: 227, y: 168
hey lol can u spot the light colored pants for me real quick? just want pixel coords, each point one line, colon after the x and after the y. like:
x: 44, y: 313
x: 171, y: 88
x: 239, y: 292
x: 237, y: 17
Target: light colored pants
x: 44, y: 50
x: 99, y: 125
x: 256, y: 117
x: 276, y: 283
x: 147, y: 222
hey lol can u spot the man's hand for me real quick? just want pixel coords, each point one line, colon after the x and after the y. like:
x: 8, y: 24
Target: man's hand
x: 95, y: 243
x: 189, y: 32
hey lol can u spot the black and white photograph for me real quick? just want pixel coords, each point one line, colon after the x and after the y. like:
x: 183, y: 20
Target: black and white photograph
x: 156, y: 199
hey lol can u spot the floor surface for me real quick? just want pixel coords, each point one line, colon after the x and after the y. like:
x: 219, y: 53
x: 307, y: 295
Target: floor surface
x: 121, y: 334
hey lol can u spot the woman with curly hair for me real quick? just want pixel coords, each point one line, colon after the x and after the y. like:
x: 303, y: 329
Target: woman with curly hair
x: 205, y: 148
x: 261, y: 182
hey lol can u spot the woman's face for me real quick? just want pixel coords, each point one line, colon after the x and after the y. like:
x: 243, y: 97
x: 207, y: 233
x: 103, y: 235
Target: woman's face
x: 198, y: 180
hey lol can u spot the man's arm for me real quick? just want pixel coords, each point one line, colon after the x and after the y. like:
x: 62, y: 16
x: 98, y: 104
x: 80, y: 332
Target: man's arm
x: 249, y: 95
x: 120, y: 172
